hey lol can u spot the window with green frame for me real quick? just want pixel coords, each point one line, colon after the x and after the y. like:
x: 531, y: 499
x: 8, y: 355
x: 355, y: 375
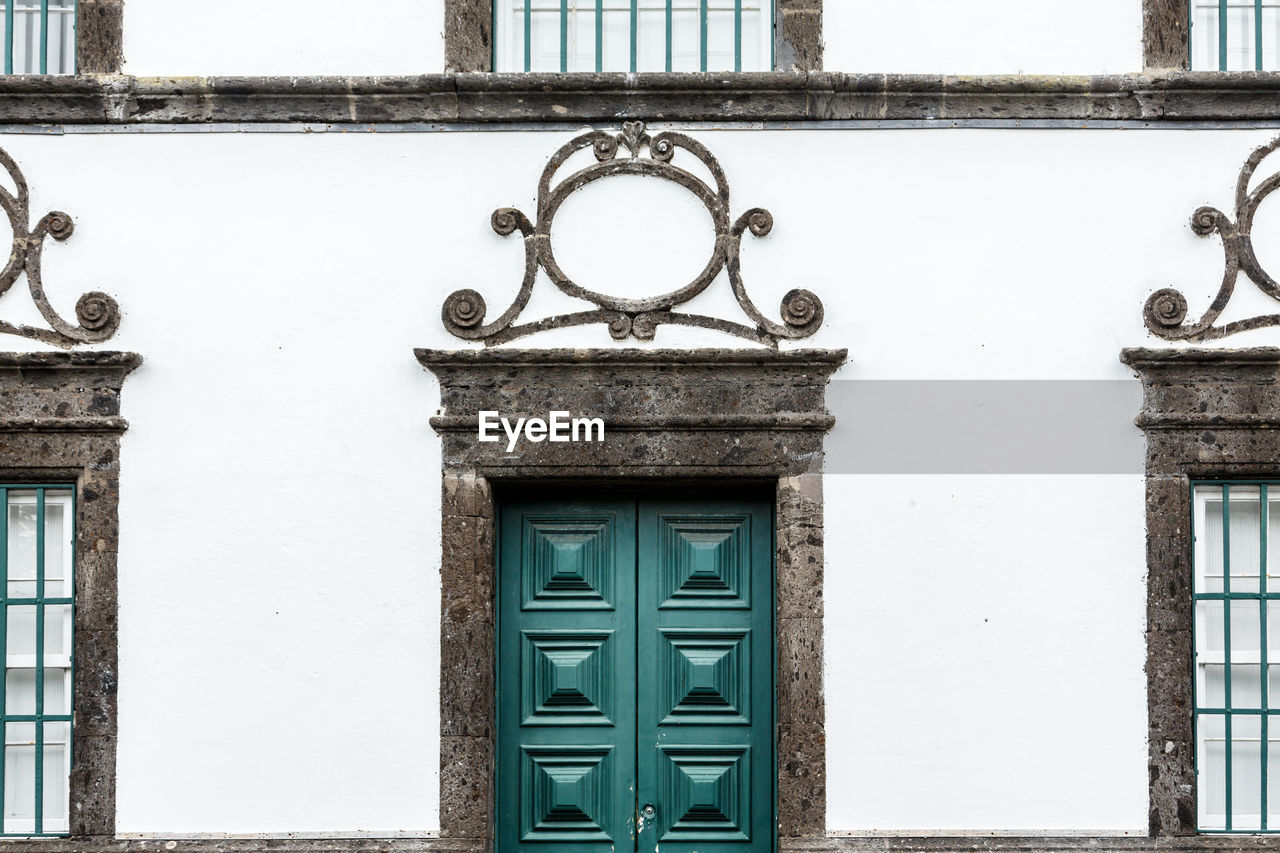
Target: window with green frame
x: 39, y: 36
x: 1235, y: 35
x: 633, y: 35
x: 1236, y: 559
x: 38, y: 555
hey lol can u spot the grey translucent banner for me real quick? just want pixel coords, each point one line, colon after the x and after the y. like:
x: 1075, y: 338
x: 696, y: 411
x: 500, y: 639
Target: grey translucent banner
x: 985, y: 427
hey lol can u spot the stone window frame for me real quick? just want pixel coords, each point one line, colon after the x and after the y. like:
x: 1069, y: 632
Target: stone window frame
x: 1166, y: 35
x: 61, y: 424
x: 99, y: 36
x: 468, y: 35
x: 710, y: 416
x: 1207, y: 414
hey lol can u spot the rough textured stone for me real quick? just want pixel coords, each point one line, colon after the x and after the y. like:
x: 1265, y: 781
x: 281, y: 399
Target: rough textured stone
x: 99, y: 36
x: 722, y: 416
x: 466, y: 787
x: 1165, y: 35
x: 802, y: 782
x: 466, y: 679
x: 468, y: 35
x: 486, y: 98
x: 799, y: 46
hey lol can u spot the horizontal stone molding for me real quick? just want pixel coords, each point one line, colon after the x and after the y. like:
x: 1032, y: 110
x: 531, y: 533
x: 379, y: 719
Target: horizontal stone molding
x: 63, y: 392
x: 1193, y: 390
x: 834, y: 844
x: 485, y: 98
x: 713, y: 411
x: 244, y: 845
x: 782, y: 422
x: 1005, y: 844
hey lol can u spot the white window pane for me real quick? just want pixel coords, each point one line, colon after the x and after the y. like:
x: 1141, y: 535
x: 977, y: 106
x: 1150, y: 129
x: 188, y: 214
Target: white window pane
x: 1273, y: 776
x: 19, y: 776
x: 57, y: 546
x: 650, y: 35
x: 1246, y: 689
x: 755, y: 54
x: 685, y: 40
x: 56, y: 776
x: 720, y: 41
x: 652, y: 40
x: 22, y: 541
x: 1211, y: 771
x: 20, y: 633
x: 20, y: 691
x: 1246, y: 772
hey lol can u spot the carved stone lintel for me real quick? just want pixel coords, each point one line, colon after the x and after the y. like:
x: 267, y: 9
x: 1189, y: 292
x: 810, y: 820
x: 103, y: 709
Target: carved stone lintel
x: 465, y: 310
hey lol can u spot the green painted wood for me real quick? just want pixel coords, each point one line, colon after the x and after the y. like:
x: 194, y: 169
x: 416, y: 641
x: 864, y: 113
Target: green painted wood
x: 705, y: 720
x: 566, y: 665
x: 635, y: 668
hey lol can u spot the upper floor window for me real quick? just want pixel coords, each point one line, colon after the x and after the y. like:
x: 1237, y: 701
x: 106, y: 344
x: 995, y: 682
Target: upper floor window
x: 633, y: 35
x: 1235, y: 35
x: 39, y: 36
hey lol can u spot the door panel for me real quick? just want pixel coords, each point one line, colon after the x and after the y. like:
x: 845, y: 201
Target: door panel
x: 566, y: 674
x: 704, y: 623
x: 635, y: 643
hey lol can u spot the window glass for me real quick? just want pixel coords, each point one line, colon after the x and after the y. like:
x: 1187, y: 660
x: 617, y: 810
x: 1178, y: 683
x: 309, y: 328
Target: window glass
x: 1237, y: 655
x: 37, y: 637
x: 634, y: 35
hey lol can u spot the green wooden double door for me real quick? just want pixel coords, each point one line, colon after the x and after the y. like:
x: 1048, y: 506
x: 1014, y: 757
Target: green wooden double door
x: 635, y: 676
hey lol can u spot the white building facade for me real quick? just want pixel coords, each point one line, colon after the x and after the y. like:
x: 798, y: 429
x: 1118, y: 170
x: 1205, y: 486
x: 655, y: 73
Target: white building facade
x: 926, y: 514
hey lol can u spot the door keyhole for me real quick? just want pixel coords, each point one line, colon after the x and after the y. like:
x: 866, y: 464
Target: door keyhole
x: 646, y: 813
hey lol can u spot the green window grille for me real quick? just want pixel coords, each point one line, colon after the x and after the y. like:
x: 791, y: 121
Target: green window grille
x: 38, y: 554
x: 39, y: 36
x: 1236, y: 528
x: 633, y: 35
x: 1235, y: 35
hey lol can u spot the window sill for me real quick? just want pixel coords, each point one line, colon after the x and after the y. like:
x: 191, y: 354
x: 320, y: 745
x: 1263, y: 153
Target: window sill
x: 486, y: 98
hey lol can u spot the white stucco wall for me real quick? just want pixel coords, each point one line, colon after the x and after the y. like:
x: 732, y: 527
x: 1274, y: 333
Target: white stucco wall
x: 280, y: 489
x: 992, y: 37
x: 317, y: 37
x: 175, y: 38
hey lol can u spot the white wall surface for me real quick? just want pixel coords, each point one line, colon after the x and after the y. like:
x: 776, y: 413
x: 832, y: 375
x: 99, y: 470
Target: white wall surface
x: 280, y: 494
x: 990, y: 37
x: 317, y: 37
x: 176, y: 38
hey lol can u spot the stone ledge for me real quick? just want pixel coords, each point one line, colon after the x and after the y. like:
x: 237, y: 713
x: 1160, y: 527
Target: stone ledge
x: 1012, y: 844
x: 656, y: 357
x: 98, y: 844
x: 483, y: 98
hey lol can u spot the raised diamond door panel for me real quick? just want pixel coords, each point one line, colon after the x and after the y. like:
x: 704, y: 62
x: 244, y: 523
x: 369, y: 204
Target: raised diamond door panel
x: 704, y: 635
x: 635, y: 675
x: 565, y: 763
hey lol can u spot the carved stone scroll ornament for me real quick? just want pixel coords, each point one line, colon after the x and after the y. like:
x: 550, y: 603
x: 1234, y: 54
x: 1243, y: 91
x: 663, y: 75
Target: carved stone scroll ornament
x: 97, y: 313
x: 464, y: 310
x: 1166, y: 309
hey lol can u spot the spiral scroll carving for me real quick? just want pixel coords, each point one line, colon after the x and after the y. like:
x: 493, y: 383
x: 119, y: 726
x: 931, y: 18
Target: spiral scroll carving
x: 633, y: 152
x: 97, y: 314
x: 1165, y: 312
